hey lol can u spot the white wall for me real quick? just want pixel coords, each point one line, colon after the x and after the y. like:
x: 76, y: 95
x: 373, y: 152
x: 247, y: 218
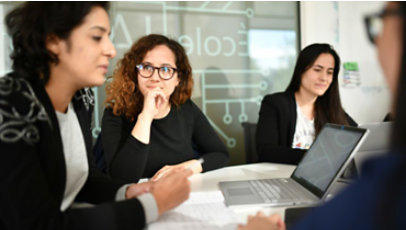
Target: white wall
x: 342, y: 25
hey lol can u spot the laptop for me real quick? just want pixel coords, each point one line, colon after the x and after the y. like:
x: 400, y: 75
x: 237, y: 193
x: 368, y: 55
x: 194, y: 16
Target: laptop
x: 377, y: 142
x: 312, y: 179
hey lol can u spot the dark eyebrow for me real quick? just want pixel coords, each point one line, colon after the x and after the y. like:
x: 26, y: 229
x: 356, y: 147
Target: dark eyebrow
x: 163, y: 65
x: 166, y: 65
x: 320, y: 66
x: 101, y: 28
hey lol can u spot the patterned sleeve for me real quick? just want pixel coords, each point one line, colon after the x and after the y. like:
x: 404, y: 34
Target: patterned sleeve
x: 19, y: 110
x: 29, y: 198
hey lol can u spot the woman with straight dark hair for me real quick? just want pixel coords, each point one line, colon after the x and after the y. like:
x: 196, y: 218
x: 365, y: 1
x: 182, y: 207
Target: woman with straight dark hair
x: 378, y: 199
x: 61, y: 49
x: 289, y: 121
x: 150, y: 125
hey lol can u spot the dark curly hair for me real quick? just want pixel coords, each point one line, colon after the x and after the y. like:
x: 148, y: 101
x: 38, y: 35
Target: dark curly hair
x: 31, y: 23
x: 123, y: 96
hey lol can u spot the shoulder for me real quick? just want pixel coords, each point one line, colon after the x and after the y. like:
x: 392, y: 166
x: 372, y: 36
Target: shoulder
x: 13, y: 86
x: 190, y: 111
x: 279, y: 98
x: 109, y: 113
x: 384, y: 165
x: 350, y: 120
x: 189, y: 107
x: 17, y: 95
x: 109, y: 119
x: 20, y: 109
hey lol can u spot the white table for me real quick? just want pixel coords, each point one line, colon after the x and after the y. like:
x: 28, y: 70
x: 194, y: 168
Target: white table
x: 208, y: 181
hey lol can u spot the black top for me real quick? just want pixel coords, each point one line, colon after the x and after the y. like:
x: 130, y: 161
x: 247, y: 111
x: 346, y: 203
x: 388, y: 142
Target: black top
x: 276, y: 128
x: 184, y: 134
x: 33, y: 170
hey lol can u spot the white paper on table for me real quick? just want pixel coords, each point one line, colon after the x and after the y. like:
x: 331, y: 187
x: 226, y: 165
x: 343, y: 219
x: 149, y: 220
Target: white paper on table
x: 203, y: 210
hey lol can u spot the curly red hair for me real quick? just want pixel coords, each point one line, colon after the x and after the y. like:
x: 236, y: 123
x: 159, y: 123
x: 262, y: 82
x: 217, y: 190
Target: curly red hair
x: 123, y: 96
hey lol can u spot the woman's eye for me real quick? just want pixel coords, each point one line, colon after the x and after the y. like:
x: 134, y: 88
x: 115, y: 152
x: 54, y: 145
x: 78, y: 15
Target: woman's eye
x: 147, y: 67
x: 97, y: 38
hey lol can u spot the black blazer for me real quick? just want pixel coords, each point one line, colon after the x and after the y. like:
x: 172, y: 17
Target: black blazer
x: 33, y: 170
x: 276, y: 128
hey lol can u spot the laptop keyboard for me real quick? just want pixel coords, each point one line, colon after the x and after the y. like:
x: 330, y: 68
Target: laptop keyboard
x: 276, y: 190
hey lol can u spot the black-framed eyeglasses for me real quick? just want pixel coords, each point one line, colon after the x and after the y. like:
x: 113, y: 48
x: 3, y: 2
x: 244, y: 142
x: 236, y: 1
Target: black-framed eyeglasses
x: 374, y: 24
x: 164, y: 72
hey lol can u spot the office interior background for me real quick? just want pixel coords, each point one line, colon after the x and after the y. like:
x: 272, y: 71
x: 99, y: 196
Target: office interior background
x: 241, y: 51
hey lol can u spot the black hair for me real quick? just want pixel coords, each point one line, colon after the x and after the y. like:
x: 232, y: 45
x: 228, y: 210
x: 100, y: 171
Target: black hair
x: 30, y: 24
x: 327, y: 107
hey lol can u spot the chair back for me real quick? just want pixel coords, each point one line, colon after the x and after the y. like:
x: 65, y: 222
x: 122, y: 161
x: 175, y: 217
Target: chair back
x: 250, y: 142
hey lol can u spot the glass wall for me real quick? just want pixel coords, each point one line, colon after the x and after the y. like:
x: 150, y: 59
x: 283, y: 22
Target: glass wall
x: 239, y: 51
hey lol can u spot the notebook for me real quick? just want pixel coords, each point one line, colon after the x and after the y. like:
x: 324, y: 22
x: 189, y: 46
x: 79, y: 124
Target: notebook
x: 313, y: 177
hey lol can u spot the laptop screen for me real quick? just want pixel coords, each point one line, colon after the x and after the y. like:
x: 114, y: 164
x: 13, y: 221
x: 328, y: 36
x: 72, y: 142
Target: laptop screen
x: 327, y: 155
x: 378, y: 137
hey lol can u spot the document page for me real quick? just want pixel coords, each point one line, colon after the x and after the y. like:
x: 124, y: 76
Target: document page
x: 203, y: 210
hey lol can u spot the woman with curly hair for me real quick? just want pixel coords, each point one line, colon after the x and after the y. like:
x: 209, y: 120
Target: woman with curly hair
x: 150, y: 125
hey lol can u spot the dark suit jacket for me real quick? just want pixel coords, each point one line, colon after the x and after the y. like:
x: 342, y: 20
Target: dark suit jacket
x: 33, y: 170
x: 276, y: 128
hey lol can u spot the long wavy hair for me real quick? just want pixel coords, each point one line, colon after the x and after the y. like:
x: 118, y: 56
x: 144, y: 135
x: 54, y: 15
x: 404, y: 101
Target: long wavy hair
x: 123, y: 94
x: 327, y: 107
x: 30, y: 24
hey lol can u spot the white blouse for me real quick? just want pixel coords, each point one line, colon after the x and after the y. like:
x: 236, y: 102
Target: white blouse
x: 74, y: 149
x: 304, y: 131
